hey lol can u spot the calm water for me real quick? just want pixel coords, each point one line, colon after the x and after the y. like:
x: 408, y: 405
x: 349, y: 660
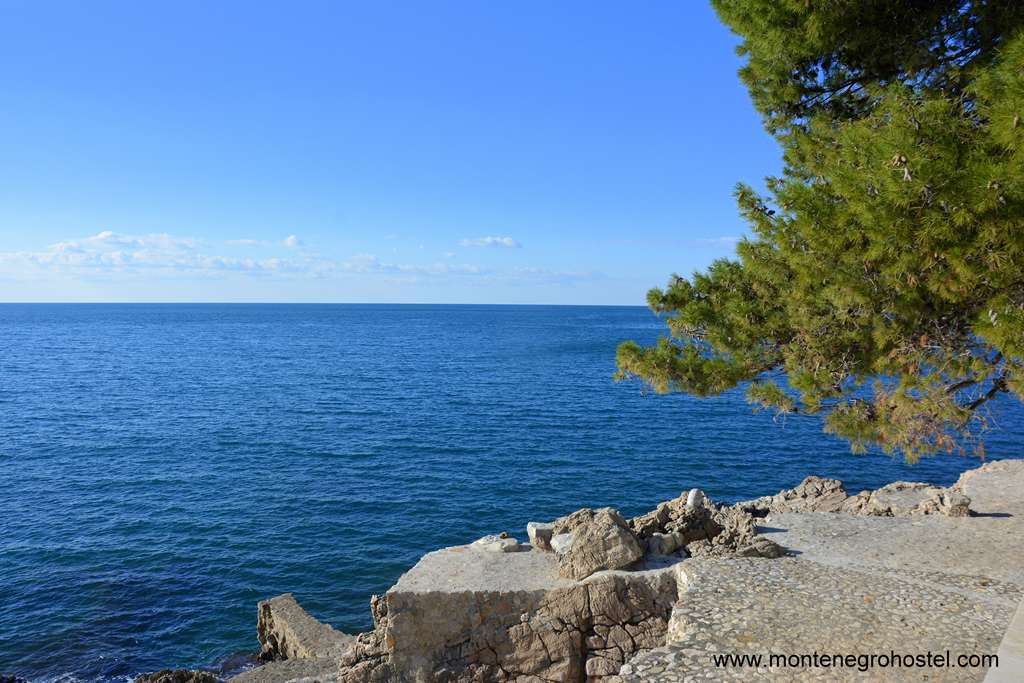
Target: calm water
x: 165, y: 467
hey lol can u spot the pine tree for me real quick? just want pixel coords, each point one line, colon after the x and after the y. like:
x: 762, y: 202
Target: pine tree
x: 883, y: 286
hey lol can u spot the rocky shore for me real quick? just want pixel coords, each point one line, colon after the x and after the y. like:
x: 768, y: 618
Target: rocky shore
x: 594, y: 597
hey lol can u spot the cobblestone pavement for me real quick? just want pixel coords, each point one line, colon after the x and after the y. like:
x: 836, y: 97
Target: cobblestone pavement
x: 855, y: 585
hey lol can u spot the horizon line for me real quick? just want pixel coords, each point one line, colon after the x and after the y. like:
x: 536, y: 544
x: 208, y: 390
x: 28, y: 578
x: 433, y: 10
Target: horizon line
x: 298, y: 303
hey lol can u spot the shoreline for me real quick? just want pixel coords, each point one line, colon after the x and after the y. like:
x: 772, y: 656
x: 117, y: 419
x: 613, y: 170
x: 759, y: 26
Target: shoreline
x: 593, y: 597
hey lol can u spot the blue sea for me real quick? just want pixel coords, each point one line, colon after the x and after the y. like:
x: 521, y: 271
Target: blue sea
x: 164, y: 467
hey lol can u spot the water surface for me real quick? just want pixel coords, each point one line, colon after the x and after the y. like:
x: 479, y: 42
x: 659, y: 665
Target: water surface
x: 166, y: 466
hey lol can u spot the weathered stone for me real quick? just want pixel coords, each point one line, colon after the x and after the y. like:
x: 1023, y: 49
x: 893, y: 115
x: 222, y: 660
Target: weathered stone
x: 759, y: 546
x: 286, y: 631
x: 909, y: 499
x: 691, y: 523
x: 497, y: 544
x: 695, y: 499
x: 813, y: 494
x: 560, y: 543
x: 319, y: 670
x: 463, y: 616
x: 175, y: 676
x: 601, y: 540
x: 540, y: 534
x: 664, y: 544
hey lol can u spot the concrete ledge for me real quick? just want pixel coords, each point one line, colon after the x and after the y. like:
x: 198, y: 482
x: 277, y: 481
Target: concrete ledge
x: 1011, y: 653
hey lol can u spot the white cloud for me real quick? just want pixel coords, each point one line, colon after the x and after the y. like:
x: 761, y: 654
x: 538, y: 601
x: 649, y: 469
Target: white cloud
x: 291, y: 241
x: 156, y: 258
x: 245, y: 243
x: 504, y: 242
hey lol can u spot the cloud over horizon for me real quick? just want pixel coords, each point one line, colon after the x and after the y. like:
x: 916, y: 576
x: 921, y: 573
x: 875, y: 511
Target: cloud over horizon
x: 165, y: 258
x: 503, y: 242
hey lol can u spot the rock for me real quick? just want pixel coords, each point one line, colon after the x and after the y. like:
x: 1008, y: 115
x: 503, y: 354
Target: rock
x: 954, y: 504
x: 170, y: 676
x: 560, y: 543
x: 464, y: 617
x: 693, y: 523
x: 909, y: 499
x: 899, y: 499
x: 497, y: 544
x: 759, y: 546
x: 695, y: 499
x: 814, y: 494
x: 319, y: 670
x: 601, y: 540
x: 664, y: 544
x: 286, y: 631
x: 540, y: 535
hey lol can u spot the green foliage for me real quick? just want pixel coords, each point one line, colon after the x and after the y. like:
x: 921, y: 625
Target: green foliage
x: 885, y: 276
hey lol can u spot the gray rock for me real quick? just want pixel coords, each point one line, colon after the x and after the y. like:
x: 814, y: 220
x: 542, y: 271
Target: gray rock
x: 540, y: 534
x: 286, y: 631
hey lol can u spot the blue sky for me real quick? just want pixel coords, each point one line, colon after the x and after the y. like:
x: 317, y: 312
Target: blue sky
x: 464, y: 152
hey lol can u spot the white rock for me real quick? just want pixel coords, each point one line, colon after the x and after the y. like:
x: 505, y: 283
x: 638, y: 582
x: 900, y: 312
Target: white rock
x: 540, y: 534
x: 695, y: 499
x: 561, y: 543
x: 497, y: 544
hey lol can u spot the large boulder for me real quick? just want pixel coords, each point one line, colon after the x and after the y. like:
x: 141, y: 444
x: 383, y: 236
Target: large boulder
x: 464, y: 616
x: 601, y: 539
x: 286, y: 631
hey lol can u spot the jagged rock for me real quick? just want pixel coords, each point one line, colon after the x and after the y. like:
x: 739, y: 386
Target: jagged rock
x: 286, y: 631
x: 497, y: 544
x: 675, y: 517
x: 540, y: 534
x: 462, y: 617
x: 601, y: 540
x: 908, y: 499
x: 814, y: 494
x: 166, y: 676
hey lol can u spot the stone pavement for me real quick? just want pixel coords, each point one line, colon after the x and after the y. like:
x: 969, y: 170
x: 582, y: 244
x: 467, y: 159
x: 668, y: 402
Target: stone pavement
x: 855, y: 585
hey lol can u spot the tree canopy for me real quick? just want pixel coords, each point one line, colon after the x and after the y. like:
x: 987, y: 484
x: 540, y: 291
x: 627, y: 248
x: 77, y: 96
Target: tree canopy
x: 883, y: 285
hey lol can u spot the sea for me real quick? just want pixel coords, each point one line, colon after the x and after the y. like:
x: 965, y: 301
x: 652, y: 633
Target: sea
x: 165, y: 467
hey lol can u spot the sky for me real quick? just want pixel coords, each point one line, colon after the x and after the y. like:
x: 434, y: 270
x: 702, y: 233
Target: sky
x: 442, y: 152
